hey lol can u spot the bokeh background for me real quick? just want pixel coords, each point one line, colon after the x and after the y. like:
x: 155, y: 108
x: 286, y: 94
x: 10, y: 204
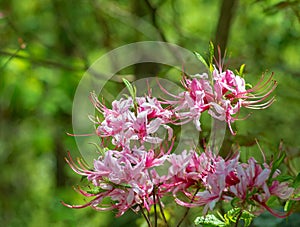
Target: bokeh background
x: 46, y: 46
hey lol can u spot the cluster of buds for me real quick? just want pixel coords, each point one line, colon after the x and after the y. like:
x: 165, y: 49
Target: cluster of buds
x: 127, y: 174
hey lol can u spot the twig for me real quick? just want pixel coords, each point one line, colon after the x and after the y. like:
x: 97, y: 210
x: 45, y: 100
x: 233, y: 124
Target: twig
x: 41, y: 61
x: 10, y: 58
x: 153, y: 11
x: 184, y: 216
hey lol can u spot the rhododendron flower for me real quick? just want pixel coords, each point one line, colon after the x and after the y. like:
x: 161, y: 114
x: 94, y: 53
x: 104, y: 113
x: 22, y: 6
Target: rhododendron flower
x: 223, y: 97
x: 254, y: 186
x: 208, y: 174
x: 132, y: 120
x: 126, y: 177
x: 206, y: 179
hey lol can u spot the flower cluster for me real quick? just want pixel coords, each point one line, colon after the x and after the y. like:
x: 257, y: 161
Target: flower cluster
x: 223, y: 97
x: 137, y: 170
x: 132, y: 120
x: 213, y: 179
x: 129, y: 178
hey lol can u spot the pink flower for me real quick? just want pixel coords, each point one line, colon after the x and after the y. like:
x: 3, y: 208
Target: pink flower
x: 230, y: 95
x: 127, y: 177
x: 127, y: 121
x: 254, y: 186
x: 222, y: 96
x: 205, y: 174
x: 281, y: 190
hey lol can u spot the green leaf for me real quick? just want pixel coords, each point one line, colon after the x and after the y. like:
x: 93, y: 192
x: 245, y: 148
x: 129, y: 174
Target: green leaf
x: 209, y: 220
x: 234, y: 214
x: 248, y: 86
x: 234, y: 202
x: 288, y: 205
x: 95, y: 190
x: 201, y: 58
x: 247, y: 217
x: 242, y: 69
x: 283, y: 178
x: 131, y: 89
x: 240, y: 72
x: 276, y: 164
x: 296, y: 183
x: 211, y: 52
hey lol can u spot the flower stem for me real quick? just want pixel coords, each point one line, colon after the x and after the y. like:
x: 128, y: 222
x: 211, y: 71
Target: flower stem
x: 146, y: 217
x: 162, y: 212
x: 154, y: 206
x: 184, y: 216
x: 187, y: 210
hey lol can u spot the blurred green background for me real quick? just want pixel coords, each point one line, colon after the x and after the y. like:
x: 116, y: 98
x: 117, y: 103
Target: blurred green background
x: 45, y: 47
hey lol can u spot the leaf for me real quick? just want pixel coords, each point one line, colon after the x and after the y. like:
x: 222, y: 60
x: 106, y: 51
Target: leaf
x: 199, y: 56
x: 276, y: 164
x: 234, y: 202
x: 296, y: 183
x: 283, y: 178
x: 234, y: 215
x: 131, y: 89
x: 241, y: 70
x: 211, y: 52
x: 209, y: 220
x: 95, y: 190
x: 288, y: 205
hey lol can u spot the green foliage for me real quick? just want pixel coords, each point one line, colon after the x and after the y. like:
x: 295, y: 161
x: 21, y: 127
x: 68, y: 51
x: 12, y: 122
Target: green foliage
x: 131, y: 89
x: 296, y: 183
x: 199, y: 56
x: 232, y: 216
x: 240, y: 72
x: 278, y: 161
x: 209, y: 220
x: 210, y: 58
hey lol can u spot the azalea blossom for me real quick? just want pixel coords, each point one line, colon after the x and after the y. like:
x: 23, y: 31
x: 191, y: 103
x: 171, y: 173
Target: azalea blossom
x: 126, y: 177
x: 206, y: 179
x: 222, y: 95
x: 132, y: 120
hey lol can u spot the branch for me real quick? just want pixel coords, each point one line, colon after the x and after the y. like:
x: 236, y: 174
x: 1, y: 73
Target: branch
x: 154, y: 19
x: 223, y: 28
x: 42, y: 62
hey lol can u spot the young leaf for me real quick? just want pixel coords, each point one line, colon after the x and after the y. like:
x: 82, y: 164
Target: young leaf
x: 131, y: 89
x: 241, y: 71
x: 276, y: 164
x: 211, y: 52
x: 100, y: 150
x: 209, y: 220
x: 247, y: 218
x: 199, y: 56
x: 288, y: 205
x: 95, y: 190
x: 234, y: 215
